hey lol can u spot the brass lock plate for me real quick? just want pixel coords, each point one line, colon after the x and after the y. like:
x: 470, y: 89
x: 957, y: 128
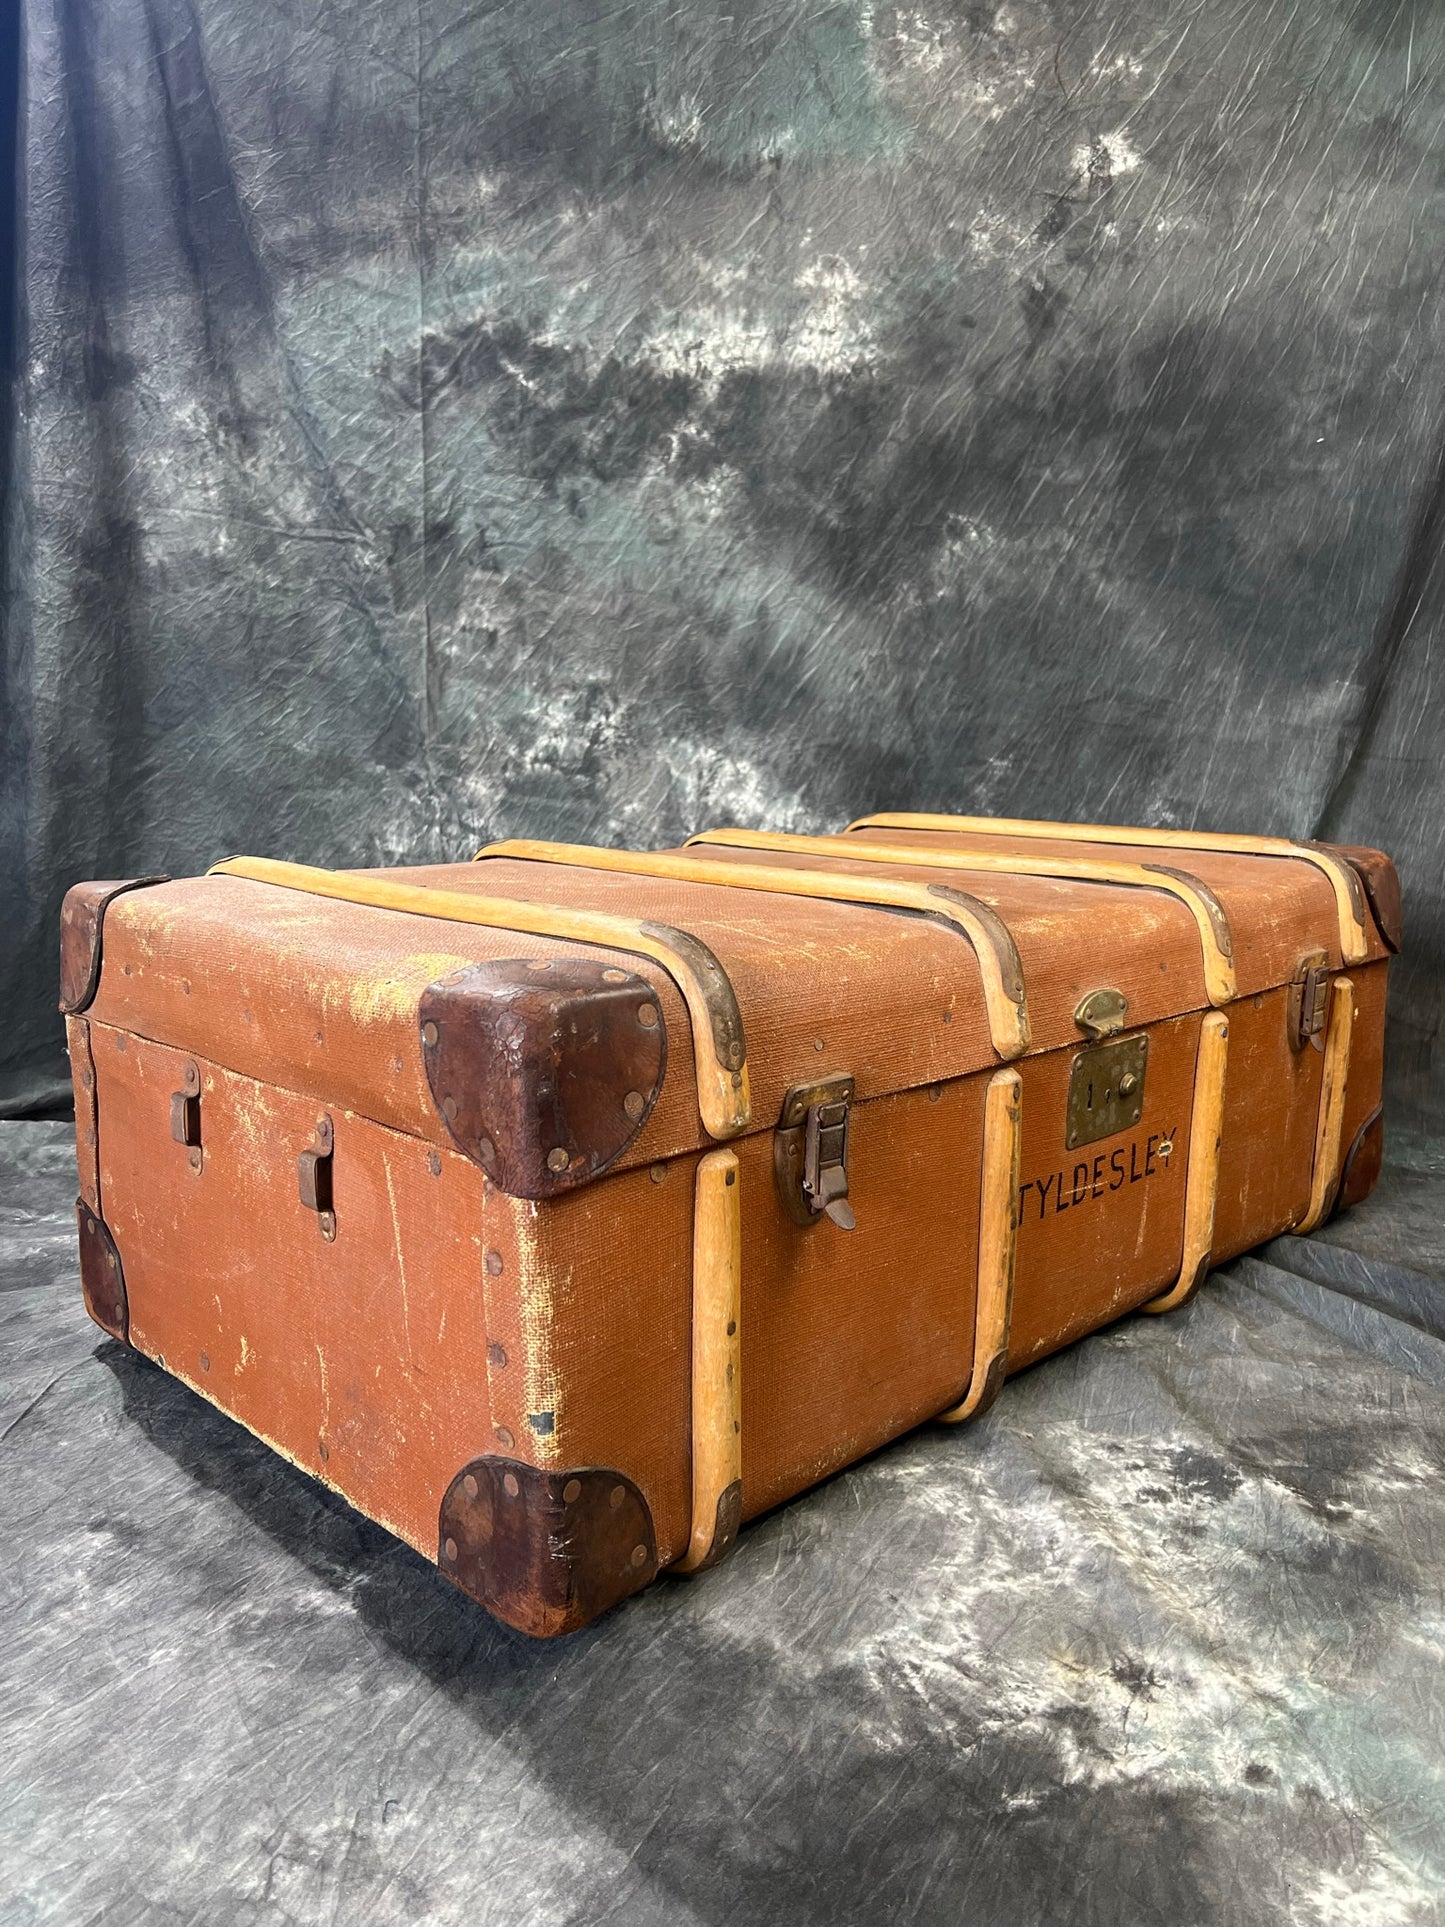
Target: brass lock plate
x: 1106, y: 1090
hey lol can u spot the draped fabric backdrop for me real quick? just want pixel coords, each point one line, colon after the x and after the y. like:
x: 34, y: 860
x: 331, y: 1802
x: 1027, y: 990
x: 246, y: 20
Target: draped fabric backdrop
x: 441, y: 421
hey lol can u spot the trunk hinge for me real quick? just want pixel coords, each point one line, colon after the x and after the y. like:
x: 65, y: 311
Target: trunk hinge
x: 810, y: 1152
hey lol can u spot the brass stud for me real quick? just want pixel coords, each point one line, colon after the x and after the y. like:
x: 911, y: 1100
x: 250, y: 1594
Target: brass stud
x: 205, y: 1363
x: 495, y: 1264
x: 449, y: 1109
x: 470, y: 1486
x: 557, y: 1159
x: 572, y: 1491
x: 487, y: 1152
x: 540, y: 963
x: 732, y: 1328
x: 634, y: 1104
x: 504, y: 1438
x: 429, y: 1035
x: 497, y: 1357
x: 647, y: 1016
x: 450, y: 1549
x: 510, y: 1485
x: 639, y: 1555
x: 616, y: 1496
x: 323, y: 1450
x: 434, y: 1163
x: 193, y: 1157
x: 818, y: 1044
x: 614, y: 976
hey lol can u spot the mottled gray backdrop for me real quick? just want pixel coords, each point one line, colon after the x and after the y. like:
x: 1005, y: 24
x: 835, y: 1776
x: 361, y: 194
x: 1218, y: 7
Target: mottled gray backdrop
x: 450, y: 419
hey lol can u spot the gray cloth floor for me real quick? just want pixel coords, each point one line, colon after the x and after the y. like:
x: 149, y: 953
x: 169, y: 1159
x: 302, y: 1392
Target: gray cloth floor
x: 1159, y: 1639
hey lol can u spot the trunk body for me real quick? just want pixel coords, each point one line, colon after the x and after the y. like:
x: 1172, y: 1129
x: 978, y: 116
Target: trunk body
x: 565, y: 1209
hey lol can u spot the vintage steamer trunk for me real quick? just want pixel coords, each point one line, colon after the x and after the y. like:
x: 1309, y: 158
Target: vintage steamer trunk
x: 565, y: 1209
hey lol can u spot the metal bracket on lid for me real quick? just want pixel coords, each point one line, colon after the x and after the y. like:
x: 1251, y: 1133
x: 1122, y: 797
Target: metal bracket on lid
x: 810, y: 1152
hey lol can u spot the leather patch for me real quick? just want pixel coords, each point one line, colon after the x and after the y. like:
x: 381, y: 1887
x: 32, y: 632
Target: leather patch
x: 545, y: 1551
x: 102, y: 1277
x: 1363, y: 1161
x: 82, y: 922
x: 544, y: 1070
x: 1382, y: 887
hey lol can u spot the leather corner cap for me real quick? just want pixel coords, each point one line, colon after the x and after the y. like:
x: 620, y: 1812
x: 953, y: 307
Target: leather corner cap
x: 545, y: 1551
x: 82, y: 924
x: 1381, y: 882
x: 102, y: 1276
x: 544, y: 1069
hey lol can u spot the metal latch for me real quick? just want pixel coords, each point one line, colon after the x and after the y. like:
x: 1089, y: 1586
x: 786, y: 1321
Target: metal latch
x: 313, y: 1178
x: 186, y: 1114
x: 1309, y: 996
x: 810, y: 1152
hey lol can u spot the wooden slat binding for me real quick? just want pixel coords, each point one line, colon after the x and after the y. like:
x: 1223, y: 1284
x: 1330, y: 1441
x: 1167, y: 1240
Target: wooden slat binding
x: 997, y: 1244
x: 1201, y: 1183
x: 1199, y: 900
x: 717, y: 1447
x: 1329, y: 1130
x: 998, y: 959
x: 1349, y: 894
x: 718, y: 1045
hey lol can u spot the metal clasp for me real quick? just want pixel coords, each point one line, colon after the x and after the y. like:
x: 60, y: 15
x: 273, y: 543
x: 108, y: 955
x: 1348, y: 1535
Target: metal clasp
x: 1309, y: 996
x: 810, y: 1152
x: 313, y: 1178
x: 186, y: 1114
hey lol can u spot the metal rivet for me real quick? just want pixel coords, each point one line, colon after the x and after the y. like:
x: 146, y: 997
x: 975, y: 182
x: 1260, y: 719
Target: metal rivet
x: 434, y: 1163
x: 647, y: 1016
x: 450, y: 1549
x: 572, y: 1491
x: 540, y: 963
x: 318, y: 1038
x: 614, y: 976
x: 510, y: 1486
x: 639, y: 1555
x: 323, y: 1450
x: 119, y: 1041
x: 504, y: 1437
x: 735, y: 1054
x: 328, y: 1226
x: 634, y: 1104
x: 497, y: 1357
x: 818, y: 1044
x: 557, y: 1160
x: 396, y: 1065
x: 731, y: 1178
x: 193, y: 1157
x: 125, y: 970
x: 948, y: 1017
x: 487, y: 1152
x: 449, y: 1109
x: 205, y: 1363
x: 737, y: 1425
x: 732, y: 1328
x: 658, y: 1173
x: 470, y: 1486
x: 616, y: 1496
x: 495, y: 1264
x: 185, y: 987
x: 935, y: 1091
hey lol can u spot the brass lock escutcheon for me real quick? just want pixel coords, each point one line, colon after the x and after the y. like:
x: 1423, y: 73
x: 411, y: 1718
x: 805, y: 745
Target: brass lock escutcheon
x: 1106, y: 1089
x: 186, y: 1114
x: 810, y: 1152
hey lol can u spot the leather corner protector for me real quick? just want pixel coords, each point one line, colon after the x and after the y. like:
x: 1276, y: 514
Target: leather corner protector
x: 82, y: 923
x: 102, y: 1276
x: 547, y: 1552
x: 544, y: 1069
x: 1381, y: 882
x: 1363, y: 1160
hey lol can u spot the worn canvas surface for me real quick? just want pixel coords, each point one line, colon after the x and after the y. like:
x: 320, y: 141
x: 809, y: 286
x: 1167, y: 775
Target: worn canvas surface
x: 601, y: 422
x: 1159, y: 1639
